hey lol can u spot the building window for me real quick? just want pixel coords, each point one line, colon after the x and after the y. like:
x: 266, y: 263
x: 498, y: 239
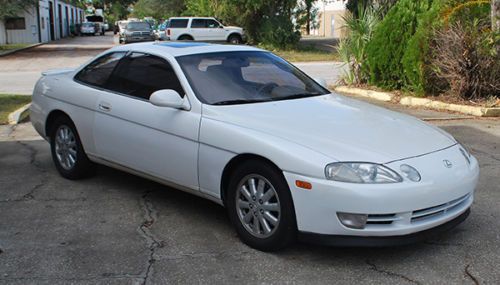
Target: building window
x: 43, y: 23
x: 15, y: 24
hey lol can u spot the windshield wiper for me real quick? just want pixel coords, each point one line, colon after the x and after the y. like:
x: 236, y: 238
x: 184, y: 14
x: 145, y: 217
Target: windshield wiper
x: 240, y: 101
x: 296, y: 96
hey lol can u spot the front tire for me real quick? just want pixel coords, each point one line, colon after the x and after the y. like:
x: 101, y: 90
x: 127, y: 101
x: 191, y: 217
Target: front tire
x: 260, y: 206
x: 235, y: 39
x: 67, y: 151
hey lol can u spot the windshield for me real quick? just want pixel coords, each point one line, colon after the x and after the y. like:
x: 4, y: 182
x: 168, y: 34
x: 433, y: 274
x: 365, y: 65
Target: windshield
x: 138, y: 26
x: 226, y: 78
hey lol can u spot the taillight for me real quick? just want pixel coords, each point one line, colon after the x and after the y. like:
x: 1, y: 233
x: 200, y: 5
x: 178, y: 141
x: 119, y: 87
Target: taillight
x: 168, y: 32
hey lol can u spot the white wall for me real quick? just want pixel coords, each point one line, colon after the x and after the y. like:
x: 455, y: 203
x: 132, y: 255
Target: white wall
x: 28, y: 35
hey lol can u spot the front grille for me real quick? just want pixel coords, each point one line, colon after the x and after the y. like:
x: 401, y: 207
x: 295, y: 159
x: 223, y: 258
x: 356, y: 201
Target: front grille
x: 381, y: 219
x: 427, y: 213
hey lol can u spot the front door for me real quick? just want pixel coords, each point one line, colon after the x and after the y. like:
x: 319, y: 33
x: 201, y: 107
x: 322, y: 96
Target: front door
x: 130, y: 131
x: 215, y: 31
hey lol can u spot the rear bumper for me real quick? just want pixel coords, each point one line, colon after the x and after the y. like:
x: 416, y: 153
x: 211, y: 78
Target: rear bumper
x: 381, y: 241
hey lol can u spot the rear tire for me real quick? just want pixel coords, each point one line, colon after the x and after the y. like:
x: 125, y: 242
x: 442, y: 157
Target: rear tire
x: 271, y: 207
x: 67, y: 151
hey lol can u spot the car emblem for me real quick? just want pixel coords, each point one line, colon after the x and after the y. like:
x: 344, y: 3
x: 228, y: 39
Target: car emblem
x: 447, y: 163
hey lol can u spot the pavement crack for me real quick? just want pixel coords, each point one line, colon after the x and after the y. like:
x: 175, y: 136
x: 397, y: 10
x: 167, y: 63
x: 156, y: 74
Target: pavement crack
x: 374, y: 267
x: 469, y: 274
x: 32, y: 156
x: 153, y: 243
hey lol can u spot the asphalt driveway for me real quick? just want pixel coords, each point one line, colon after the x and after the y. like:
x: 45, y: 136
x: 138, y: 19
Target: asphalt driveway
x: 116, y: 228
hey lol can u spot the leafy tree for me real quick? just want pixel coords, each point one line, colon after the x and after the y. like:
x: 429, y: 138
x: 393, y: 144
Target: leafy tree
x: 306, y: 14
x: 158, y: 9
x: 12, y: 8
x: 267, y: 22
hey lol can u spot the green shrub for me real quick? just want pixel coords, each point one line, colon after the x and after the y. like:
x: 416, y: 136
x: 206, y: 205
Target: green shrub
x: 418, y: 72
x: 390, y: 41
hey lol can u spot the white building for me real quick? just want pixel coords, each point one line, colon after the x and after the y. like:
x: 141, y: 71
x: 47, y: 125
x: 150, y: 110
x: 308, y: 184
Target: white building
x: 47, y: 21
x: 330, y: 18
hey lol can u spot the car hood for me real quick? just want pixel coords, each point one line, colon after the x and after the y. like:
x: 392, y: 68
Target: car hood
x: 233, y: 28
x: 341, y: 128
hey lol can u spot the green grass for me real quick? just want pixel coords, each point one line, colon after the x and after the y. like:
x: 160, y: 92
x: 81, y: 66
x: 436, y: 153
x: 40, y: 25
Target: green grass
x: 10, y: 103
x: 12, y: 46
x: 309, y: 53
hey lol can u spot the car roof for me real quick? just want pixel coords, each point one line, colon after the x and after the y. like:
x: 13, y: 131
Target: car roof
x: 180, y: 18
x: 182, y: 48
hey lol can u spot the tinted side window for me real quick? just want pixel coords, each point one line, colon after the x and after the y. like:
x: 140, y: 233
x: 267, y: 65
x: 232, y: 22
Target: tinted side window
x: 98, y: 72
x: 212, y: 24
x: 178, y: 23
x: 140, y: 75
x: 198, y: 23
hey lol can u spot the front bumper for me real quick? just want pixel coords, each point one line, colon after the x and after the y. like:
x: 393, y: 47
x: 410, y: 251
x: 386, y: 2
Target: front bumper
x: 131, y: 39
x: 381, y: 241
x: 395, y: 209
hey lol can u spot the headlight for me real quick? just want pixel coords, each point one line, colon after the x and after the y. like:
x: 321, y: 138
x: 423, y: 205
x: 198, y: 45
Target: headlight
x: 361, y: 172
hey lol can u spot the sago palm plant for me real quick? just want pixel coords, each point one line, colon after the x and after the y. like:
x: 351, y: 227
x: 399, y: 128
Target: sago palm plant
x: 352, y: 49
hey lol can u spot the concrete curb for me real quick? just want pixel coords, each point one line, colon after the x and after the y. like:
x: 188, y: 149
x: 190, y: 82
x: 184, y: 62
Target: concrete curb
x: 423, y: 102
x: 15, y: 117
x: 19, y: 49
x: 464, y: 109
x: 381, y: 96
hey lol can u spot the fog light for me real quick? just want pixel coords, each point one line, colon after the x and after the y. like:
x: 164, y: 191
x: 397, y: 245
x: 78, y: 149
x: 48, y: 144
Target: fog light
x: 410, y: 172
x: 353, y: 221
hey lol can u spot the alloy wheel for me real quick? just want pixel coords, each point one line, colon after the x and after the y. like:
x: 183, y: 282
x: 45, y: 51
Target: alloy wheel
x: 65, y: 147
x: 258, y: 206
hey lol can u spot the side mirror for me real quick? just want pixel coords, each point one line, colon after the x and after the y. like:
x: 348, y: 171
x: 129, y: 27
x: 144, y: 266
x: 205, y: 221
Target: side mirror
x: 169, y: 98
x: 321, y: 81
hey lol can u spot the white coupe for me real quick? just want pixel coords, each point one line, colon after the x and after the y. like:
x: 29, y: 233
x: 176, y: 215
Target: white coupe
x: 242, y: 127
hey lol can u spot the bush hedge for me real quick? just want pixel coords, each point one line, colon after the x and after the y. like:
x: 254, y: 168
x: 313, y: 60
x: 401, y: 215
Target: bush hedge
x: 390, y: 42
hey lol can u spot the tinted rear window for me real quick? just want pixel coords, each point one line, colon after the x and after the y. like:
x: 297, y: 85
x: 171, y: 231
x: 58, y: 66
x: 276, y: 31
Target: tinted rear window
x: 178, y: 23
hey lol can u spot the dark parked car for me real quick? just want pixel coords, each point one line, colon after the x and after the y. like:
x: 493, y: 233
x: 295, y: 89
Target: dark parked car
x: 137, y: 32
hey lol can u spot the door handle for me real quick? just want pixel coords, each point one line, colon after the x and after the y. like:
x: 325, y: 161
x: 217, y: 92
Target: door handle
x: 105, y: 106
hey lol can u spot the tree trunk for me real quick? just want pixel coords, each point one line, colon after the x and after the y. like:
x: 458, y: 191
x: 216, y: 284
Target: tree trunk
x: 308, y: 17
x: 495, y: 15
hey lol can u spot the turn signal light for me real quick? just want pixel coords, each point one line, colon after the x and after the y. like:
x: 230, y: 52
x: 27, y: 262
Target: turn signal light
x: 303, y: 184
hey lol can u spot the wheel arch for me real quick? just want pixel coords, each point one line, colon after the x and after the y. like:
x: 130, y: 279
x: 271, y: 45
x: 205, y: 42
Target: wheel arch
x: 53, y: 115
x: 234, y: 163
x: 185, y: 35
x: 234, y: 34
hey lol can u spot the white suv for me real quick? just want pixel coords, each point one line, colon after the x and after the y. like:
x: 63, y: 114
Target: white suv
x: 202, y: 29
